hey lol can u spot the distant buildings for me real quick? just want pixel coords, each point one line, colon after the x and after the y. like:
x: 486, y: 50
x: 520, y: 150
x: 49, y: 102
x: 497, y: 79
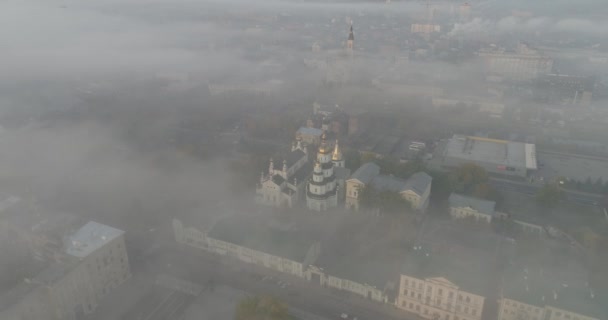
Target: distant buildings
x: 564, y: 89
x: 495, y: 156
x: 469, y: 207
x: 522, y: 64
x: 93, y: 262
x: 309, y: 135
x: 416, y: 190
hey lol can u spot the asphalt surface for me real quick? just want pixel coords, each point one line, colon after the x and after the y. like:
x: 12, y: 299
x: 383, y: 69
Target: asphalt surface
x: 531, y: 190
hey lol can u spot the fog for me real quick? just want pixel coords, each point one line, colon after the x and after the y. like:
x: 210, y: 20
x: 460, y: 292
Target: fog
x: 135, y: 112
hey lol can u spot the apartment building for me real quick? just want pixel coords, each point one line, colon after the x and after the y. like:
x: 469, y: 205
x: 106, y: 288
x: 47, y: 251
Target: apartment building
x: 94, y: 262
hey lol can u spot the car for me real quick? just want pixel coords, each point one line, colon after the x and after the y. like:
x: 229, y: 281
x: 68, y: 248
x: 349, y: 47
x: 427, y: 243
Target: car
x: 344, y: 315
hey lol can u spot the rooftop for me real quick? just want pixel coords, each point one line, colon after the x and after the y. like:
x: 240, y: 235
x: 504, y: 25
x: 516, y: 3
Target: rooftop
x: 419, y: 182
x: 390, y: 183
x: 498, y: 152
x: 469, y: 275
x: 310, y: 131
x: 559, y: 287
x: 286, y: 240
x: 89, y: 238
x: 366, y: 172
x: 483, y: 206
x: 47, y: 276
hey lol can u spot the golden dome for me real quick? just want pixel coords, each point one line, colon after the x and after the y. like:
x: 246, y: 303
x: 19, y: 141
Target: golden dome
x: 324, y: 147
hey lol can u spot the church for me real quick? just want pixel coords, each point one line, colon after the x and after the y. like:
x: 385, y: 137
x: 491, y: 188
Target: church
x: 325, y: 187
x: 284, y: 185
x: 320, y: 186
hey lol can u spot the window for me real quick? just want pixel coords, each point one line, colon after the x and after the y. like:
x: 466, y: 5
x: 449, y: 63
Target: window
x: 420, y: 286
x: 459, y: 297
x: 412, y: 294
x: 451, y: 295
x: 440, y: 292
x: 418, y: 307
x: 406, y: 282
x: 419, y: 296
x: 411, y: 306
x: 405, y: 292
x: 466, y: 309
x: 468, y: 300
x: 474, y: 312
x: 403, y: 304
x: 426, y: 311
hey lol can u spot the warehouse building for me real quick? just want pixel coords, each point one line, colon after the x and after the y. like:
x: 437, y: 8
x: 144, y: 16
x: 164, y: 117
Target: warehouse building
x: 495, y: 156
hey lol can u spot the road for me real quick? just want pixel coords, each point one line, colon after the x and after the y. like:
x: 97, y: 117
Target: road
x: 531, y: 190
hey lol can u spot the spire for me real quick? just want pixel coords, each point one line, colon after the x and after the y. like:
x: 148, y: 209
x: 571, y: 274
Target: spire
x: 324, y: 148
x: 284, y: 166
x: 271, y: 168
x: 351, y: 35
x: 337, y: 155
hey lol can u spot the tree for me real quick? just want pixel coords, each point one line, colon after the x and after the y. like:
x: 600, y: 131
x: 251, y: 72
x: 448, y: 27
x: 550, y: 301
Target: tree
x: 261, y: 307
x: 385, y: 201
x: 465, y: 178
x: 549, y: 196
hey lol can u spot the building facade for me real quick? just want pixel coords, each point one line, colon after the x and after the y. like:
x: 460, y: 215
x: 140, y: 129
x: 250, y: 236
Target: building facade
x: 416, y: 190
x: 438, y: 299
x: 283, y: 187
x: 94, y: 263
x: 322, y: 189
x: 462, y: 207
x: 302, y: 268
x: 523, y: 64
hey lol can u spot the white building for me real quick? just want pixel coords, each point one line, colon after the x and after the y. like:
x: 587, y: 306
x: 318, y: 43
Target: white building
x: 464, y: 207
x: 284, y: 186
x: 416, y: 190
x: 436, y: 290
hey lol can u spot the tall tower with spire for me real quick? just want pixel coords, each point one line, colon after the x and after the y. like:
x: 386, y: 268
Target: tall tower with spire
x: 336, y: 157
x: 351, y: 41
x: 322, y: 188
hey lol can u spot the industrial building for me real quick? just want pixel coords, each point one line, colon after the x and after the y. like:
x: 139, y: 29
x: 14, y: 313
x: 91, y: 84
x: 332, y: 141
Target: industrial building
x: 495, y: 156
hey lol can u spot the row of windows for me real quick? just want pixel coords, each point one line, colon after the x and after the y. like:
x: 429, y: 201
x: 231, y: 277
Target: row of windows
x: 421, y: 310
x: 429, y: 290
x: 438, y: 303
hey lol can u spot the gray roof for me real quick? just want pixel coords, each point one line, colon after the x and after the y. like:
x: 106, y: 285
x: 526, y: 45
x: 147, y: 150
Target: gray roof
x: 310, y: 131
x: 482, y: 206
x: 342, y: 173
x: 549, y: 287
x: 470, y: 276
x: 496, y: 152
x: 419, y: 182
x: 366, y: 172
x: 294, y: 156
x: 389, y: 183
x: 89, y: 238
x: 287, y: 241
